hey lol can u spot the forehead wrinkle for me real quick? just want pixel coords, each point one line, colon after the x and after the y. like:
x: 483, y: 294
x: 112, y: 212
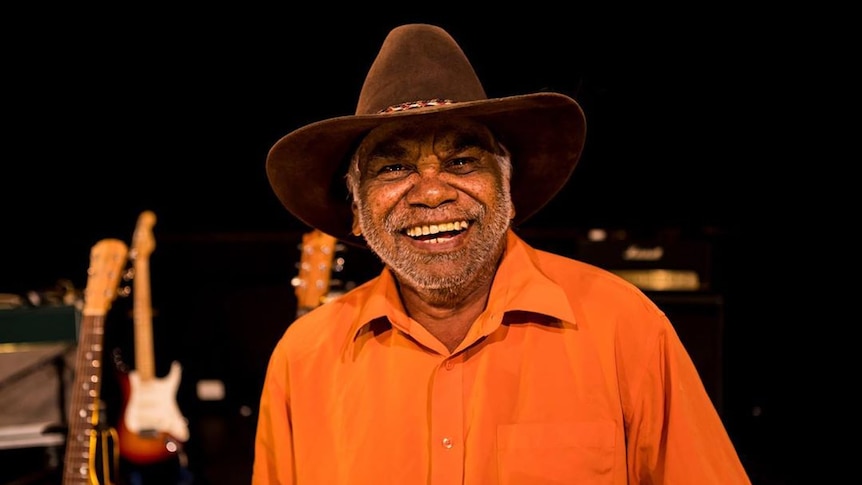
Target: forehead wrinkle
x: 389, y: 148
x: 462, y: 140
x: 443, y: 138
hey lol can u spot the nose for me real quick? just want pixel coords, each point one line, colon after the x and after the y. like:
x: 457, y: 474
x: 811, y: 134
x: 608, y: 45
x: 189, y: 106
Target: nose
x: 431, y: 189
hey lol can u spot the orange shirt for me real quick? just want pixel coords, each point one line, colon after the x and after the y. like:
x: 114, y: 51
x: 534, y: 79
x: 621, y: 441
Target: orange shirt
x: 571, y: 375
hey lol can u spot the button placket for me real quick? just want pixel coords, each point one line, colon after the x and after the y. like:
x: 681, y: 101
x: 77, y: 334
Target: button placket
x: 447, y: 423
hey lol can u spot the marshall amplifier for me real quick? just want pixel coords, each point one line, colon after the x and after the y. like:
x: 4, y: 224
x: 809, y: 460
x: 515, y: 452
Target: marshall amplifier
x: 654, y: 265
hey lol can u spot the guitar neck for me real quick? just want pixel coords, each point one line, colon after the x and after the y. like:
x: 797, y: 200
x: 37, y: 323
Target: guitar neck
x: 84, y: 407
x: 315, y: 270
x: 143, y: 245
x: 143, y: 318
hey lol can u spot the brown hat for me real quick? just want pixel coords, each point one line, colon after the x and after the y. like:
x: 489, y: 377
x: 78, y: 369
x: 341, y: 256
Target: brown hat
x: 421, y: 71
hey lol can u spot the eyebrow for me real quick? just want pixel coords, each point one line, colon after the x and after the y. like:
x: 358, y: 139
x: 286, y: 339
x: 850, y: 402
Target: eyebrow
x: 469, y: 140
x: 387, y: 149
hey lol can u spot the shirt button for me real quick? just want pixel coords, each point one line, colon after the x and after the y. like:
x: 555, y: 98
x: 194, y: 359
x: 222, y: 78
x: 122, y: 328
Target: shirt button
x: 449, y: 365
x: 447, y: 443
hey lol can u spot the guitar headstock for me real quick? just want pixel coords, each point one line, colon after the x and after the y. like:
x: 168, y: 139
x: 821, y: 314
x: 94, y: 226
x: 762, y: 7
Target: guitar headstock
x: 143, y: 242
x: 108, y: 258
x: 315, y: 269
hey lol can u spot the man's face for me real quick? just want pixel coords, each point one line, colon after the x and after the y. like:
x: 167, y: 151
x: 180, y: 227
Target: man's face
x: 433, y: 200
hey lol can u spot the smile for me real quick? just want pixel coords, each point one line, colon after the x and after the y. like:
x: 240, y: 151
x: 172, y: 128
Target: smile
x: 432, y: 232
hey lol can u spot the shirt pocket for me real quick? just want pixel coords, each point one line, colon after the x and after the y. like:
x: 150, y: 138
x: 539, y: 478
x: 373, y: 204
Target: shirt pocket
x: 556, y: 453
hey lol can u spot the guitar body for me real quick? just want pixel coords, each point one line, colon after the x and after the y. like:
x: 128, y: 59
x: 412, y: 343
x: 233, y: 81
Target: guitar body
x: 152, y: 427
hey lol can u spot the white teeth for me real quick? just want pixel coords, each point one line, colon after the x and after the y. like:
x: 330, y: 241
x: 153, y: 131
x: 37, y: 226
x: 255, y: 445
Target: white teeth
x: 436, y: 228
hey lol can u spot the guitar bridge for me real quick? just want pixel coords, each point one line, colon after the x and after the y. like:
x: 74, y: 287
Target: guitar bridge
x: 148, y: 433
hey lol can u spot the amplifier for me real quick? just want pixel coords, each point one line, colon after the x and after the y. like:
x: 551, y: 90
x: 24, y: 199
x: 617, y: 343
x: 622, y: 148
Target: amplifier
x: 38, y: 325
x: 682, y: 265
x: 34, y: 388
x: 698, y: 319
x: 37, y: 350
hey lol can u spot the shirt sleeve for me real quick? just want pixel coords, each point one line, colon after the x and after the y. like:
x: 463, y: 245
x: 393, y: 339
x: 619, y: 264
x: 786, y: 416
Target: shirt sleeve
x: 273, y: 444
x: 675, y: 433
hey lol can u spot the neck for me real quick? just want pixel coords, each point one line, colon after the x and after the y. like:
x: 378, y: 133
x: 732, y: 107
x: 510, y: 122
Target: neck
x: 446, y: 314
x: 449, y: 312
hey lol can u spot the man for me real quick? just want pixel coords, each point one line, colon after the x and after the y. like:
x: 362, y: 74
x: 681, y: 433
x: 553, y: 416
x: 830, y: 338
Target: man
x: 472, y: 358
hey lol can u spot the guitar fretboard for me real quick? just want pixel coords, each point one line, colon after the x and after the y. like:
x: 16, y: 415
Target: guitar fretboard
x: 84, y: 411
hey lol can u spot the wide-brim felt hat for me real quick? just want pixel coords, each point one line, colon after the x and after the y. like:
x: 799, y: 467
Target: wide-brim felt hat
x: 420, y: 71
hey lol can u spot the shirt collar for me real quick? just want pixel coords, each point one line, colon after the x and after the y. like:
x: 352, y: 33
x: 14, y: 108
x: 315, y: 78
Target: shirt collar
x: 519, y: 285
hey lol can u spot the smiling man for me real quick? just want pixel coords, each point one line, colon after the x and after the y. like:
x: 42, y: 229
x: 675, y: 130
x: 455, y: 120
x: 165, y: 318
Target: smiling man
x: 473, y: 358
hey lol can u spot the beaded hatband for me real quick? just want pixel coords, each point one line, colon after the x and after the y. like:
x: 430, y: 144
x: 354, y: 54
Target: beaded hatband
x: 415, y: 104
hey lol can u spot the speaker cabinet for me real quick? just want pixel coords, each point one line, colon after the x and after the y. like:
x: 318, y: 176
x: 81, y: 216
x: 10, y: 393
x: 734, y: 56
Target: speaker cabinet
x: 698, y: 319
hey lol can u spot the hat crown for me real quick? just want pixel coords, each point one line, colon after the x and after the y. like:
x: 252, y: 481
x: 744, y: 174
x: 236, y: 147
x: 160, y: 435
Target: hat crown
x: 418, y: 62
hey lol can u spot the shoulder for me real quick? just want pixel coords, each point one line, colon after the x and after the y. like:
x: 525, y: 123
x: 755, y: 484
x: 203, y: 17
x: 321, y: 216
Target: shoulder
x: 326, y: 327
x: 603, y: 303
x: 591, y: 284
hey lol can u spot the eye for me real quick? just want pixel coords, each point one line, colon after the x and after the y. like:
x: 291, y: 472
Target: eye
x: 391, y: 168
x: 392, y: 171
x: 461, y: 165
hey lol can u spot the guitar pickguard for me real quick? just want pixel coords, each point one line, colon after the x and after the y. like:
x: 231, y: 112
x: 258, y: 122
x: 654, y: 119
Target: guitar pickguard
x: 152, y: 406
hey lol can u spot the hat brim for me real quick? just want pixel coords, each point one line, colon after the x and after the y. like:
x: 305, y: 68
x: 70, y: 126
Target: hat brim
x: 544, y: 133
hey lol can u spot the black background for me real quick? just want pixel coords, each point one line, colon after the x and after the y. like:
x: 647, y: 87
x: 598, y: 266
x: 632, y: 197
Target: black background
x: 108, y: 113
x: 174, y: 111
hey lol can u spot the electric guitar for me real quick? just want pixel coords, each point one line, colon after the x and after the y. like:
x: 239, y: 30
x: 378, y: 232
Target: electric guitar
x: 152, y: 428
x: 313, y: 283
x: 91, y: 455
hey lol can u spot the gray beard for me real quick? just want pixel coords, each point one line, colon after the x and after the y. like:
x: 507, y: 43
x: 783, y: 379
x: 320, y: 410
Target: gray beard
x: 473, y: 266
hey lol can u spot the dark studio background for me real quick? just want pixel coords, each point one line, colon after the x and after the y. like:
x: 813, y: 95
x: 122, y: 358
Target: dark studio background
x: 174, y: 112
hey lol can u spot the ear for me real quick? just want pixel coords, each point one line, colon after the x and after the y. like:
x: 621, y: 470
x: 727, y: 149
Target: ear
x: 357, y: 231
